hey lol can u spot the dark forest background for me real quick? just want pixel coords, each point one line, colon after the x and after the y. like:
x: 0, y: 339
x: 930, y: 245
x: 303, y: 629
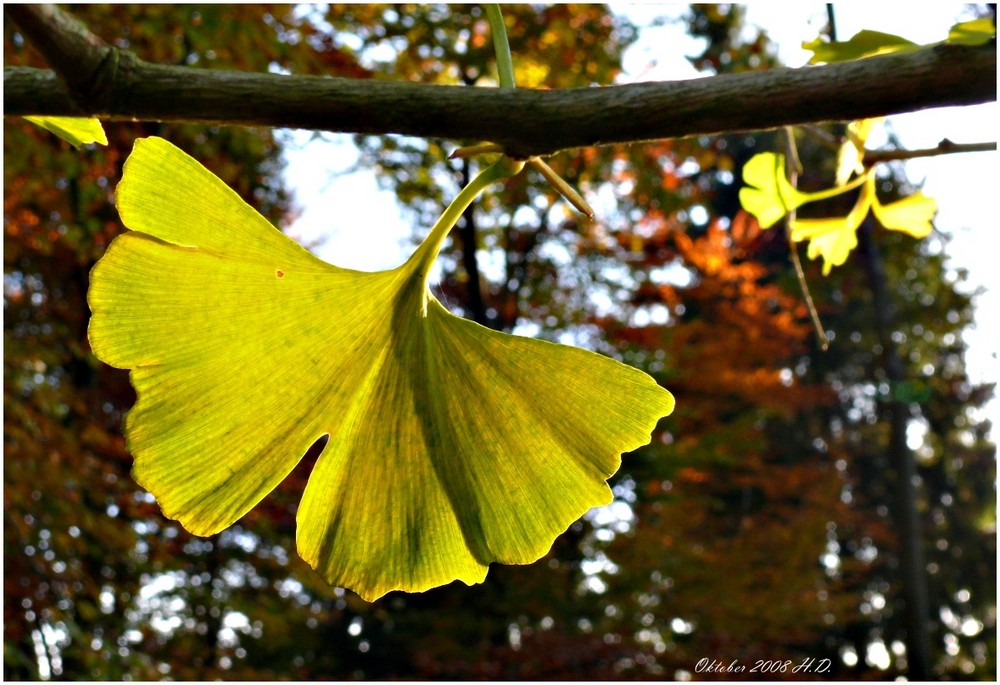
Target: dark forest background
x: 760, y: 523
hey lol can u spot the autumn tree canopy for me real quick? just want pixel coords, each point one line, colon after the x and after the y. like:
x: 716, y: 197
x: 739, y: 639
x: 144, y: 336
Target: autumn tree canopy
x: 763, y: 522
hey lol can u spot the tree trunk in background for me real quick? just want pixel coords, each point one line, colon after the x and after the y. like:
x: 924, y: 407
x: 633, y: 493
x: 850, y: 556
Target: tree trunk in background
x: 912, y: 569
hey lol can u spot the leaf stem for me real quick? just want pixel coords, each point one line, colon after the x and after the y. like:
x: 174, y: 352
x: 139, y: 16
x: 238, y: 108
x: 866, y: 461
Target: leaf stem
x: 505, y: 65
x: 428, y: 251
x: 834, y: 191
x: 504, y: 167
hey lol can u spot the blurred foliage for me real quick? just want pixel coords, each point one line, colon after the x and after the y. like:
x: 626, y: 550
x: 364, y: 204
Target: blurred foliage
x: 758, y: 524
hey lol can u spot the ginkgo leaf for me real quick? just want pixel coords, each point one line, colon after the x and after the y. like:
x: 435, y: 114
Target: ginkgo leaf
x: 863, y: 44
x: 768, y: 195
x: 831, y: 238
x: 852, y: 151
x: 450, y: 446
x: 870, y: 43
x: 77, y: 131
x: 972, y: 33
x: 911, y: 215
x: 834, y: 238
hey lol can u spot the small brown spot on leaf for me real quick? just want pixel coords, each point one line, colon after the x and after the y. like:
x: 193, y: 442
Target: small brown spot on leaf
x: 279, y: 273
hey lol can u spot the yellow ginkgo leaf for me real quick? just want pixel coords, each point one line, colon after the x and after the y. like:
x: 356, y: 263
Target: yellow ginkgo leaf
x: 911, y: 215
x: 852, y: 151
x: 77, y: 131
x: 451, y: 446
x: 972, y: 33
x: 768, y: 195
x: 864, y: 43
x: 834, y: 238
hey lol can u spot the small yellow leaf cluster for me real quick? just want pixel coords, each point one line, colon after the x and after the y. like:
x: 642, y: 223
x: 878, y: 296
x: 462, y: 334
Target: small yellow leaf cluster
x: 769, y: 196
x: 834, y: 238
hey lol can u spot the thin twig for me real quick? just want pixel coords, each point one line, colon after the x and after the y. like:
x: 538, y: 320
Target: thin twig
x: 795, y: 168
x: 945, y: 147
x: 473, y: 150
x: 793, y: 177
x: 561, y: 186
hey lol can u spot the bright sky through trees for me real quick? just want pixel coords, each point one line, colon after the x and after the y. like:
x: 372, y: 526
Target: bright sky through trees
x: 345, y: 214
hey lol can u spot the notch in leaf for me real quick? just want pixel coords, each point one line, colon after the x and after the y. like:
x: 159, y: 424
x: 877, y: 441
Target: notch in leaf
x: 451, y: 446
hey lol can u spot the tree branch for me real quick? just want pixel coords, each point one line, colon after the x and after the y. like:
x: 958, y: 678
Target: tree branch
x: 945, y: 147
x: 84, y: 62
x: 525, y: 122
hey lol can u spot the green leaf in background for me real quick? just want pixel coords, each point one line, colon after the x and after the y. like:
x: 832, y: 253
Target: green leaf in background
x: 451, y: 446
x: 862, y: 44
x: 77, y: 131
x: 972, y: 33
x: 870, y: 43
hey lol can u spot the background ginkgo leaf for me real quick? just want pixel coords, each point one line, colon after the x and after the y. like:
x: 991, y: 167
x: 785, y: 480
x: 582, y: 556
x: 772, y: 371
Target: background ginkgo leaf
x: 768, y: 195
x: 911, y: 215
x: 852, y: 151
x: 974, y: 32
x: 77, y: 131
x: 863, y: 44
x: 450, y: 446
x: 867, y: 43
x: 834, y: 238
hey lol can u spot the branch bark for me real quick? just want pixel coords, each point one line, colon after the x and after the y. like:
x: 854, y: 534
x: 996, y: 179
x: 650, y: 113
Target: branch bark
x: 78, y: 57
x: 525, y: 122
x: 945, y: 147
